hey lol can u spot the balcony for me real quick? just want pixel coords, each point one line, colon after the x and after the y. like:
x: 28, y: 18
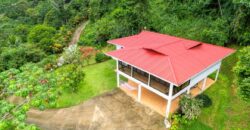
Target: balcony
x: 143, y: 76
x: 126, y: 70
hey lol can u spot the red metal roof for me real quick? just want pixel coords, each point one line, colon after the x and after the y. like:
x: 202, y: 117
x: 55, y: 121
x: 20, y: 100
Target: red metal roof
x: 170, y: 58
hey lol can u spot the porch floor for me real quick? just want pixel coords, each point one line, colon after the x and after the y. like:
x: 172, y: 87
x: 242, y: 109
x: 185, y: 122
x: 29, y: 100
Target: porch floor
x: 156, y: 102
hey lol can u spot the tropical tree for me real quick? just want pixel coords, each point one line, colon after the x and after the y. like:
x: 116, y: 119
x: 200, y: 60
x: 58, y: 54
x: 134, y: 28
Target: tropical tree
x: 34, y: 85
x: 42, y: 35
x: 73, y: 74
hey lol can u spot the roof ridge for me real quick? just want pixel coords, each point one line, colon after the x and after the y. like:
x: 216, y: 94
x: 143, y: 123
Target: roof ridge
x: 159, y: 46
x: 168, y: 43
x: 172, y: 69
x: 151, y: 49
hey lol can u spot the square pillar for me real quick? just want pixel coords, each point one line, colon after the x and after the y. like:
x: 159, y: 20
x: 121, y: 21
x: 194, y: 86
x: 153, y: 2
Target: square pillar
x: 118, y: 79
x: 169, y: 101
x: 132, y: 71
x: 117, y: 74
x: 188, y: 91
x: 149, y: 80
x: 139, y: 93
x: 204, y: 84
x: 217, y: 74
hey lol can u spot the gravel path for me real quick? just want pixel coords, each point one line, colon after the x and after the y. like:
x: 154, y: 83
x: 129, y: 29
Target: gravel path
x: 77, y: 33
x: 110, y: 111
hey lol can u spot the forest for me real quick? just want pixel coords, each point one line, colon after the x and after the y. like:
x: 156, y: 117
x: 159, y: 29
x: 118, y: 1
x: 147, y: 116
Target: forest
x: 35, y: 34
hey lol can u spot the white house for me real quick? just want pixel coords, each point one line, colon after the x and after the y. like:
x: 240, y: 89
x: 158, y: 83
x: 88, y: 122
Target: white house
x: 156, y: 69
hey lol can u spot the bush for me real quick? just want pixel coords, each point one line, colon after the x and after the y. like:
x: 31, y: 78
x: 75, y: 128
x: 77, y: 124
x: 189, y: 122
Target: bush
x: 48, y: 63
x: 245, y: 89
x: 177, y: 120
x: 206, y: 101
x: 100, y: 57
x: 243, y: 73
x: 71, y: 55
x: 190, y: 107
x: 87, y: 52
x: 70, y: 77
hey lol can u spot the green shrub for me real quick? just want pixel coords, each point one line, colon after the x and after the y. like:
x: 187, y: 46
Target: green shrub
x: 70, y: 77
x: 177, y: 120
x: 243, y: 73
x: 48, y: 63
x: 190, y: 107
x: 245, y: 89
x: 206, y: 100
x: 100, y: 57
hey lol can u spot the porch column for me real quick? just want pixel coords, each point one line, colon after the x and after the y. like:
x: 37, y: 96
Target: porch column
x: 169, y: 100
x: 204, y: 84
x: 188, y: 91
x: 117, y: 74
x: 132, y: 71
x: 139, y: 93
x: 149, y: 80
x: 217, y: 74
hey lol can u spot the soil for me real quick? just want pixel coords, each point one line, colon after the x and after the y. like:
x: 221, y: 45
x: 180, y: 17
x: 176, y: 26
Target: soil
x: 111, y: 111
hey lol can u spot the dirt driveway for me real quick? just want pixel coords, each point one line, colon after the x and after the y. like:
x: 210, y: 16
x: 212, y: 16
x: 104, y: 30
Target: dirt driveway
x: 110, y: 111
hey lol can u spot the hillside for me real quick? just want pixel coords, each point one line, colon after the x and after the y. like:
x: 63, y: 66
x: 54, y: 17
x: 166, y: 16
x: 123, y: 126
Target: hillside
x: 41, y: 70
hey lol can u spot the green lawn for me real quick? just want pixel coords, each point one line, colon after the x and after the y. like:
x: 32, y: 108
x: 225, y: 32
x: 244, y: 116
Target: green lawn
x: 99, y: 78
x: 227, y: 111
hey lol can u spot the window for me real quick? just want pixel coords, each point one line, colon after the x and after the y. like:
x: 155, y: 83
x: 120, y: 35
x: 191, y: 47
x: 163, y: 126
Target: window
x: 155, y: 79
x: 140, y: 75
x: 179, y: 88
x: 140, y: 72
x: 126, y: 68
x: 159, y: 84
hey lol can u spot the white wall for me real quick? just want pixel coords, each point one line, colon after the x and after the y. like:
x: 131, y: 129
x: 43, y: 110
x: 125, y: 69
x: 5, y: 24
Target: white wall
x: 205, y: 73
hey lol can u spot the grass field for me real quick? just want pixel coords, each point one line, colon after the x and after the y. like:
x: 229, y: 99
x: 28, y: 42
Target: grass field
x: 99, y: 78
x: 227, y: 111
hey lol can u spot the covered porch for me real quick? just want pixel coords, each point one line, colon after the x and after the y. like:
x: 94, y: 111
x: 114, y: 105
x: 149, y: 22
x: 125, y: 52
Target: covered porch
x: 156, y: 102
x: 158, y: 94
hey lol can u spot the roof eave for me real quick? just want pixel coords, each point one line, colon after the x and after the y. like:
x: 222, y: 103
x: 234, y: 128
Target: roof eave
x: 110, y: 42
x: 176, y: 84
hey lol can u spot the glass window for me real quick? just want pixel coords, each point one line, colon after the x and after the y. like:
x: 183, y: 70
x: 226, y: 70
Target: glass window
x: 126, y: 68
x: 159, y: 84
x: 140, y: 75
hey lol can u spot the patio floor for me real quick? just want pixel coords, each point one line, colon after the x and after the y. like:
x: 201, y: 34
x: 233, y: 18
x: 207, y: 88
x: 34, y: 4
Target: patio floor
x: 156, y: 102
